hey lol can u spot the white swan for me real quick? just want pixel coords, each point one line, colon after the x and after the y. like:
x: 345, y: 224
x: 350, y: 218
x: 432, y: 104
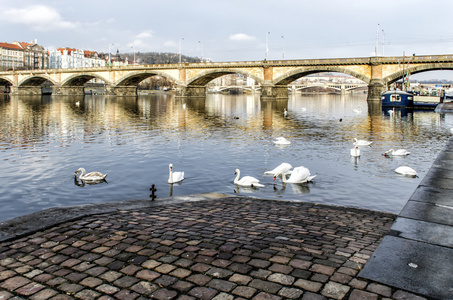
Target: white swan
x: 174, y: 176
x: 355, y: 152
x: 361, y: 142
x: 281, y: 141
x: 282, y: 168
x: 299, y: 175
x: 92, y: 176
x: 285, y: 113
x: 405, y: 170
x: 399, y: 152
x: 246, y: 180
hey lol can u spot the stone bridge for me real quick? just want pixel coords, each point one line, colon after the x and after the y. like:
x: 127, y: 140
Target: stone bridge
x: 191, y: 79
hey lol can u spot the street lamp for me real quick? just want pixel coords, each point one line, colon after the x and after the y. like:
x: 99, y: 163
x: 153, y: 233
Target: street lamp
x: 377, y: 40
x: 180, y: 49
x: 383, y: 38
x: 201, y: 50
x: 133, y: 50
x: 110, y: 60
x: 283, y: 50
x: 267, y: 47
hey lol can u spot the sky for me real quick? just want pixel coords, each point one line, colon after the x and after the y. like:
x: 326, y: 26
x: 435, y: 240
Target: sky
x: 236, y: 30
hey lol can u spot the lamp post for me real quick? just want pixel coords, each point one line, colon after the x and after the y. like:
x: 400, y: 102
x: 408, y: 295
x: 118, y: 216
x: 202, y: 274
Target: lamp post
x: 110, y: 60
x: 267, y: 47
x: 377, y: 40
x: 283, y: 50
x: 133, y: 50
x: 383, y: 39
x: 180, y: 49
x: 201, y: 45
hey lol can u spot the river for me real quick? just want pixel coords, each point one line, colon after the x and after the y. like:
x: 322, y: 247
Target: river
x: 44, y: 139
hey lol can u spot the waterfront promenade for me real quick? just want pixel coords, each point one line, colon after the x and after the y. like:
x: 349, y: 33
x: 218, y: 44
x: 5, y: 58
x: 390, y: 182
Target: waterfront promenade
x: 205, y: 246
x: 215, y: 246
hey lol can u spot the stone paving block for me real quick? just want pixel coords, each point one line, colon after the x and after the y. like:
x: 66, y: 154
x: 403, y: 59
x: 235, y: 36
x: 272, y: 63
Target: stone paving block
x: 14, y: 282
x: 281, y: 278
x: 335, y: 290
x: 266, y: 296
x: 43, y: 294
x: 144, y: 287
x: 265, y: 286
x: 308, y: 285
x: 87, y: 295
x: 244, y: 291
x: 219, y: 273
x: 240, y: 279
x: 290, y: 293
x: 362, y: 295
x: 182, y: 286
x: 221, y: 285
x: 203, y: 293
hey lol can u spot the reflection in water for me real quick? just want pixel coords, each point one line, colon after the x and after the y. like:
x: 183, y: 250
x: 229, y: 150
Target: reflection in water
x: 82, y: 183
x: 43, y: 139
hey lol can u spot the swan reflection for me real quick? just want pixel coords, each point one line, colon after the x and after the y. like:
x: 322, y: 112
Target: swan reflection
x: 82, y: 183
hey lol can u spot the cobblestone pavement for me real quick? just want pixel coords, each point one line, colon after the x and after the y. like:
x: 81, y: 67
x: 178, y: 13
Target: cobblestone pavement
x: 229, y: 248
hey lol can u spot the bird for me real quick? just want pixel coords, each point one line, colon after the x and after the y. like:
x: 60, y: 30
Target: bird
x: 355, y: 151
x: 92, y: 176
x: 246, y: 180
x: 77, y: 103
x: 361, y: 142
x: 281, y: 141
x: 299, y: 175
x: 405, y: 170
x: 451, y: 130
x: 174, y: 176
x: 282, y: 168
x: 285, y: 113
x: 399, y: 152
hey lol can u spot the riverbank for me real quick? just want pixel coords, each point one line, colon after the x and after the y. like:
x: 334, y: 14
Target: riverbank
x: 204, y: 246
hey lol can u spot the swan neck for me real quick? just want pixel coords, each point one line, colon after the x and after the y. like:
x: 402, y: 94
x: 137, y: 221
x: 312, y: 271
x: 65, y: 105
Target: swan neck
x: 238, y: 174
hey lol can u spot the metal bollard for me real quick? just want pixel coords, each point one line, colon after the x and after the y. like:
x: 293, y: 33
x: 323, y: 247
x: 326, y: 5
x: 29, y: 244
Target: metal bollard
x: 152, y: 189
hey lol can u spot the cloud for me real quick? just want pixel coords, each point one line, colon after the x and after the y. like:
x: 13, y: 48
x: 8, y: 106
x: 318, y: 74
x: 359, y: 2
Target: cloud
x: 170, y: 44
x: 145, y: 34
x: 241, y: 37
x: 38, y: 17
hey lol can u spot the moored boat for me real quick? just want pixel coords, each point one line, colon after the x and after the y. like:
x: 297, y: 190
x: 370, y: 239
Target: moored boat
x: 398, y: 98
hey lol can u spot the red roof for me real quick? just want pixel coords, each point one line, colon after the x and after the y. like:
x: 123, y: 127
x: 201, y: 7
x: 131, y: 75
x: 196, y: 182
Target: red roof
x: 10, y: 46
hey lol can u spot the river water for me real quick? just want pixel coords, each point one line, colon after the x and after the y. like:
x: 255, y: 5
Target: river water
x: 43, y: 140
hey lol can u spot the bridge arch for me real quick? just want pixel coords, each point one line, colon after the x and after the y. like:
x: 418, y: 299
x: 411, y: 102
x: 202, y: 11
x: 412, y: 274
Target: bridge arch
x: 5, y: 81
x: 417, y: 69
x: 81, y: 79
x: 203, y: 78
x: 295, y: 74
x: 133, y: 79
x: 35, y: 81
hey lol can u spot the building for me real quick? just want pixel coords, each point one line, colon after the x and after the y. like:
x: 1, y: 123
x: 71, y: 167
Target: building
x: 35, y: 56
x: 67, y: 58
x: 11, y: 57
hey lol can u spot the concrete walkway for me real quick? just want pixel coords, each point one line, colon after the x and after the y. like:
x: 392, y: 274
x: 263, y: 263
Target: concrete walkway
x: 417, y: 253
x: 199, y: 247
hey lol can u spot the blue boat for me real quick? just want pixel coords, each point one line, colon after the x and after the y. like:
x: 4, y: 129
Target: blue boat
x: 398, y: 98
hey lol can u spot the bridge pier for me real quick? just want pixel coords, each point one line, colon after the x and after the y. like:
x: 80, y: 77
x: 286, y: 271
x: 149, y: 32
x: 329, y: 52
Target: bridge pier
x: 68, y: 90
x: 375, y: 89
x: 26, y: 90
x: 190, y: 91
x: 121, y: 90
x: 274, y: 92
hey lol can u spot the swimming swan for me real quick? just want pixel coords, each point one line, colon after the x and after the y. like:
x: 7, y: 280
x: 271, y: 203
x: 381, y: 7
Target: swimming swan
x: 281, y: 141
x: 299, y: 175
x: 399, y: 152
x: 246, y: 180
x: 405, y: 170
x: 361, y: 142
x: 92, y: 176
x: 355, y: 152
x: 174, y: 176
x: 282, y: 168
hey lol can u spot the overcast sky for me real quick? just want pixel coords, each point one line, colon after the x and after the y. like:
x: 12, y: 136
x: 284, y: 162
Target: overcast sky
x: 235, y: 30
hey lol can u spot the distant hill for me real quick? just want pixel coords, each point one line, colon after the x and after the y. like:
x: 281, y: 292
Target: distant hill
x: 145, y: 58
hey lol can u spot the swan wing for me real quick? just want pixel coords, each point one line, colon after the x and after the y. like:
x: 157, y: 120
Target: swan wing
x: 282, y: 168
x: 299, y: 174
x: 405, y: 170
x: 93, y: 176
x: 401, y: 152
x: 178, y: 176
x: 248, y: 181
